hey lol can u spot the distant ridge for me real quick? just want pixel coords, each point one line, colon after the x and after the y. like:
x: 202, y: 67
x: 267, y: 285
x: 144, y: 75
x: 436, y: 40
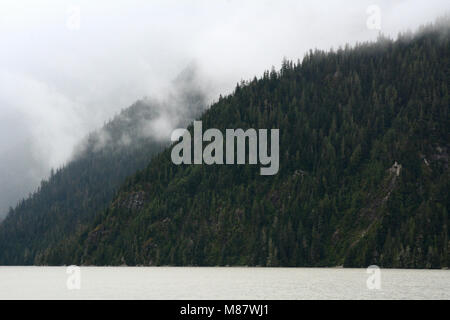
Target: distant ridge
x: 363, y: 177
x: 72, y: 197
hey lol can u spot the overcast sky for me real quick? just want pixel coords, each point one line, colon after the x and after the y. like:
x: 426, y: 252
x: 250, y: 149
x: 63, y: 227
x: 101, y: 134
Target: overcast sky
x: 68, y: 66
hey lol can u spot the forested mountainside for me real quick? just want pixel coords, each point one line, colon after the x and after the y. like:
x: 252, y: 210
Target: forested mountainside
x: 363, y: 173
x: 70, y: 199
x: 364, y: 142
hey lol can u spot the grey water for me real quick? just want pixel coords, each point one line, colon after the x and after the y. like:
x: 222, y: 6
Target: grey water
x: 220, y: 283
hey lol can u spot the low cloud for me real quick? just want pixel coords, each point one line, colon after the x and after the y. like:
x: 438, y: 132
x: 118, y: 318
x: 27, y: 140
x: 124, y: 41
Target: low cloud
x: 62, y: 77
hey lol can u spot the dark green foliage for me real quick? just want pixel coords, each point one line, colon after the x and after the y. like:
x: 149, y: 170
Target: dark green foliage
x: 69, y: 201
x: 345, y: 119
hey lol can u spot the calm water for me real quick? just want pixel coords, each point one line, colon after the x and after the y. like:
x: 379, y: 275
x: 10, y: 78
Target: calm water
x: 220, y: 283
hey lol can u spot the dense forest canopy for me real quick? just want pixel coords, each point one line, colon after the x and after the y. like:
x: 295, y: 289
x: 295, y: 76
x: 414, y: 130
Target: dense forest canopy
x: 363, y: 175
x: 74, y: 194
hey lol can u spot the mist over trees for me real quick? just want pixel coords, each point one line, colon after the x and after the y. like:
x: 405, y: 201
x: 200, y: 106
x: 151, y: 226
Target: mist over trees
x: 65, y: 83
x: 363, y: 172
x: 71, y: 198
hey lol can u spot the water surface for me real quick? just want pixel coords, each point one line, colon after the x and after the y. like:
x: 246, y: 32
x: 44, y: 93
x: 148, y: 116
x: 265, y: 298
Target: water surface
x: 220, y: 283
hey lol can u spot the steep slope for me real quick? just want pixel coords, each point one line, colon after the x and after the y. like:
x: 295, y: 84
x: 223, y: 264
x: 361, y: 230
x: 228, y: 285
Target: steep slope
x: 363, y: 172
x: 68, y: 202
